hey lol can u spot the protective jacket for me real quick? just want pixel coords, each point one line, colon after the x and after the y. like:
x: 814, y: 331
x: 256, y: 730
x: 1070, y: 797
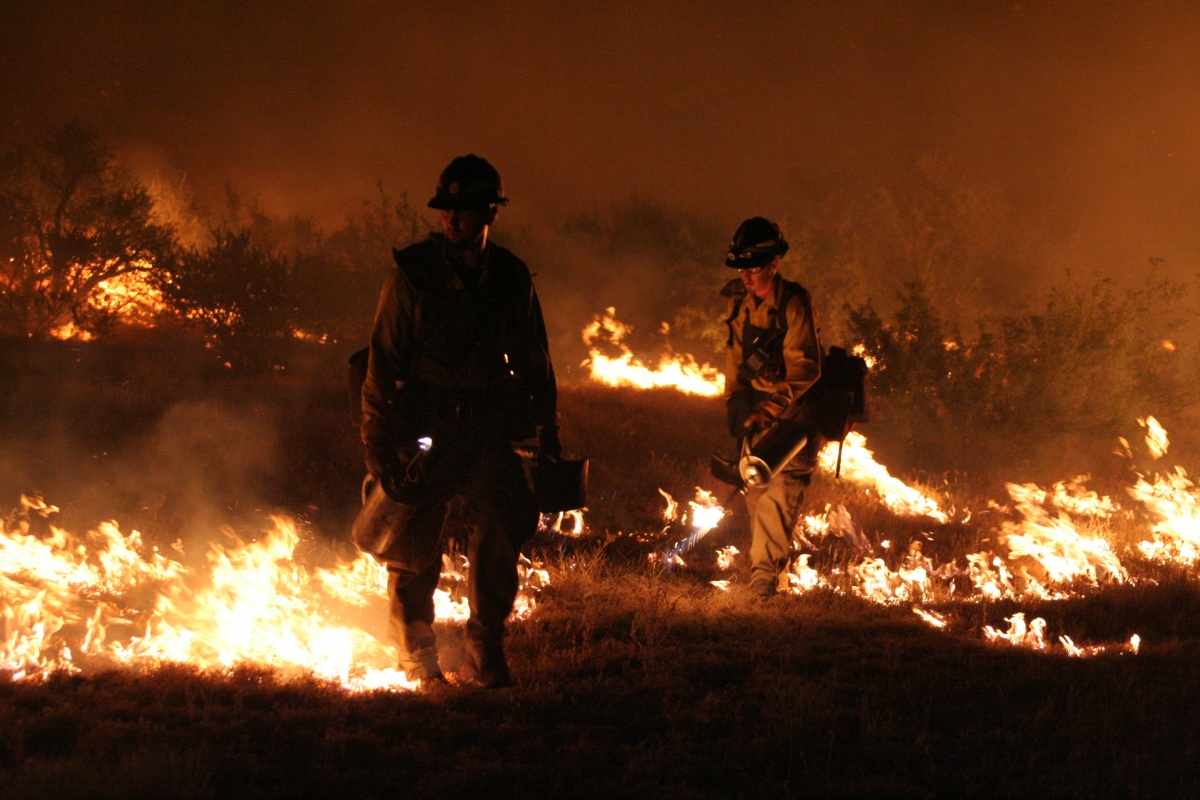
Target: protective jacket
x: 790, y: 365
x: 452, y: 342
x: 786, y: 321
x: 458, y: 353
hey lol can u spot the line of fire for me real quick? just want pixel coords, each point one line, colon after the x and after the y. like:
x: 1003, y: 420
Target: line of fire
x: 92, y: 257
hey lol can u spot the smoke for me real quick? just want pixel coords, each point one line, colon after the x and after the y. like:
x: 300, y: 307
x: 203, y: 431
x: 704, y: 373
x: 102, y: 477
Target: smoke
x: 985, y: 149
x: 1077, y: 112
x: 648, y: 260
x: 205, y: 463
x: 112, y: 434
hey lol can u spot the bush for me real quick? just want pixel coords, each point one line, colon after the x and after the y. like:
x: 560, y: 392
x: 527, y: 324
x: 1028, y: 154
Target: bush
x: 1031, y: 388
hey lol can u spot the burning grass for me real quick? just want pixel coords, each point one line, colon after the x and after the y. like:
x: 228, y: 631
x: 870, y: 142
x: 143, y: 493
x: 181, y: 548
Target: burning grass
x: 648, y: 685
x: 635, y: 676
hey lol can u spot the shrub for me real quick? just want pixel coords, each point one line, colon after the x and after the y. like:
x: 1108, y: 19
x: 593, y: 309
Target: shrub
x: 1076, y: 373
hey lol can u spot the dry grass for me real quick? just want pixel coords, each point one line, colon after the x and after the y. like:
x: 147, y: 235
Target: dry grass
x: 631, y: 681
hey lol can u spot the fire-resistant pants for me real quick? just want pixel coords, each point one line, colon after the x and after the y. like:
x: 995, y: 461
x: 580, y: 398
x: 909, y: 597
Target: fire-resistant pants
x: 773, y: 510
x: 486, y: 484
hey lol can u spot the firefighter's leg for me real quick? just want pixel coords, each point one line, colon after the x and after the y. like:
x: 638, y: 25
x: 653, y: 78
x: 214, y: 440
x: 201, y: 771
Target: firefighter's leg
x: 501, y: 513
x: 412, y: 580
x: 773, y: 513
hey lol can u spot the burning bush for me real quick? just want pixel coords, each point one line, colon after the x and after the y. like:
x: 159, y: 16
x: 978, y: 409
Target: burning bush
x: 78, y: 242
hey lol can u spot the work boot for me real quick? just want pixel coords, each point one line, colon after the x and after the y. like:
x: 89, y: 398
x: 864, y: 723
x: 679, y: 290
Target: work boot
x: 486, y: 666
x: 422, y: 666
x: 762, y: 588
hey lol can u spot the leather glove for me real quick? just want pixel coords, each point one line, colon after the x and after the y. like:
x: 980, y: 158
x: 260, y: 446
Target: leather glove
x: 548, y: 444
x: 763, y: 418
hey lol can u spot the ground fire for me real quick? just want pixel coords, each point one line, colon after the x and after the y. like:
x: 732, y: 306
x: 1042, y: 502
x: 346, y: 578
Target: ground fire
x: 611, y: 362
x: 105, y: 597
x: 77, y: 602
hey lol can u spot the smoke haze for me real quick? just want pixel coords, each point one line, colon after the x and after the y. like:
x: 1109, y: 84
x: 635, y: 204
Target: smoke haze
x: 1082, y: 117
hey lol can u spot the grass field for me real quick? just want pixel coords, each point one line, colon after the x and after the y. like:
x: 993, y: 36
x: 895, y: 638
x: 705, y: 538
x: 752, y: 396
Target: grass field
x: 631, y: 680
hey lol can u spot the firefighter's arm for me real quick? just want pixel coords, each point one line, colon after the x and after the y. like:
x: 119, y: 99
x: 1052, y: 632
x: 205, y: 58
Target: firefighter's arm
x: 739, y: 398
x: 541, y: 368
x: 391, y: 334
x: 801, y: 358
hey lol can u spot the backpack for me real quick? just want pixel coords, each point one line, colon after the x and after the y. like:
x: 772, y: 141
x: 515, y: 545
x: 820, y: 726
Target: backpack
x: 839, y: 397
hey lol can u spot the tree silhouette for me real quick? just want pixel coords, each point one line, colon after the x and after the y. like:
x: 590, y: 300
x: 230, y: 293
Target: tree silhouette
x: 78, y: 242
x: 238, y: 293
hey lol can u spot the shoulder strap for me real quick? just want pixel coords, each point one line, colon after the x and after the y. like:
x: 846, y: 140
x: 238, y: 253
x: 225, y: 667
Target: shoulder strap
x: 787, y: 291
x: 736, y: 290
x: 421, y: 265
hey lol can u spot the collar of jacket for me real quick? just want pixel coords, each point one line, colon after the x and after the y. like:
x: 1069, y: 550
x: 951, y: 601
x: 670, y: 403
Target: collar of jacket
x: 455, y: 264
x: 771, y: 301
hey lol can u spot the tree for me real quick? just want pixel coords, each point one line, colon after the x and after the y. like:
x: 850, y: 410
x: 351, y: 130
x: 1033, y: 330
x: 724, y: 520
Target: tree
x: 238, y: 293
x: 339, y: 283
x: 78, y: 242
x: 334, y: 278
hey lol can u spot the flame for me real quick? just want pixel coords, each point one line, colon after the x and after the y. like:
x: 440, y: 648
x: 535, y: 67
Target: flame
x: 860, y: 350
x: 567, y: 523
x: 704, y: 514
x: 671, y: 512
x: 108, y: 596
x: 1175, y: 503
x: 69, y: 331
x: 933, y: 618
x: 801, y: 578
x: 1032, y: 636
x: 1156, y: 437
x: 312, y: 337
x: 130, y: 297
x: 1075, y: 498
x: 859, y: 466
x: 624, y: 369
x: 725, y: 557
x: 1056, y: 544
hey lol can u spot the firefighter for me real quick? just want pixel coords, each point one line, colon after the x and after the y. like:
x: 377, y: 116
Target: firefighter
x: 458, y: 372
x: 774, y: 358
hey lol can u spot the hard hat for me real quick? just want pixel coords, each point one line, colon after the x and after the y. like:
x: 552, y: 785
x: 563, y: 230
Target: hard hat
x: 469, y: 182
x: 757, y: 242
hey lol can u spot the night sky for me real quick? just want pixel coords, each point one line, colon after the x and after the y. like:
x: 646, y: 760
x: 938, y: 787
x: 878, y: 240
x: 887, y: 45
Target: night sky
x: 1086, y: 115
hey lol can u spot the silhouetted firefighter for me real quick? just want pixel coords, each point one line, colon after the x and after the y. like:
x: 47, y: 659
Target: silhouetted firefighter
x: 458, y: 371
x: 783, y: 403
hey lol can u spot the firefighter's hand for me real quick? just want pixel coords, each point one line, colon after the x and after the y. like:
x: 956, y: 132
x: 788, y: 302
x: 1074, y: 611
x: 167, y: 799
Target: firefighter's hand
x: 763, y: 417
x: 407, y: 479
x: 548, y: 444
